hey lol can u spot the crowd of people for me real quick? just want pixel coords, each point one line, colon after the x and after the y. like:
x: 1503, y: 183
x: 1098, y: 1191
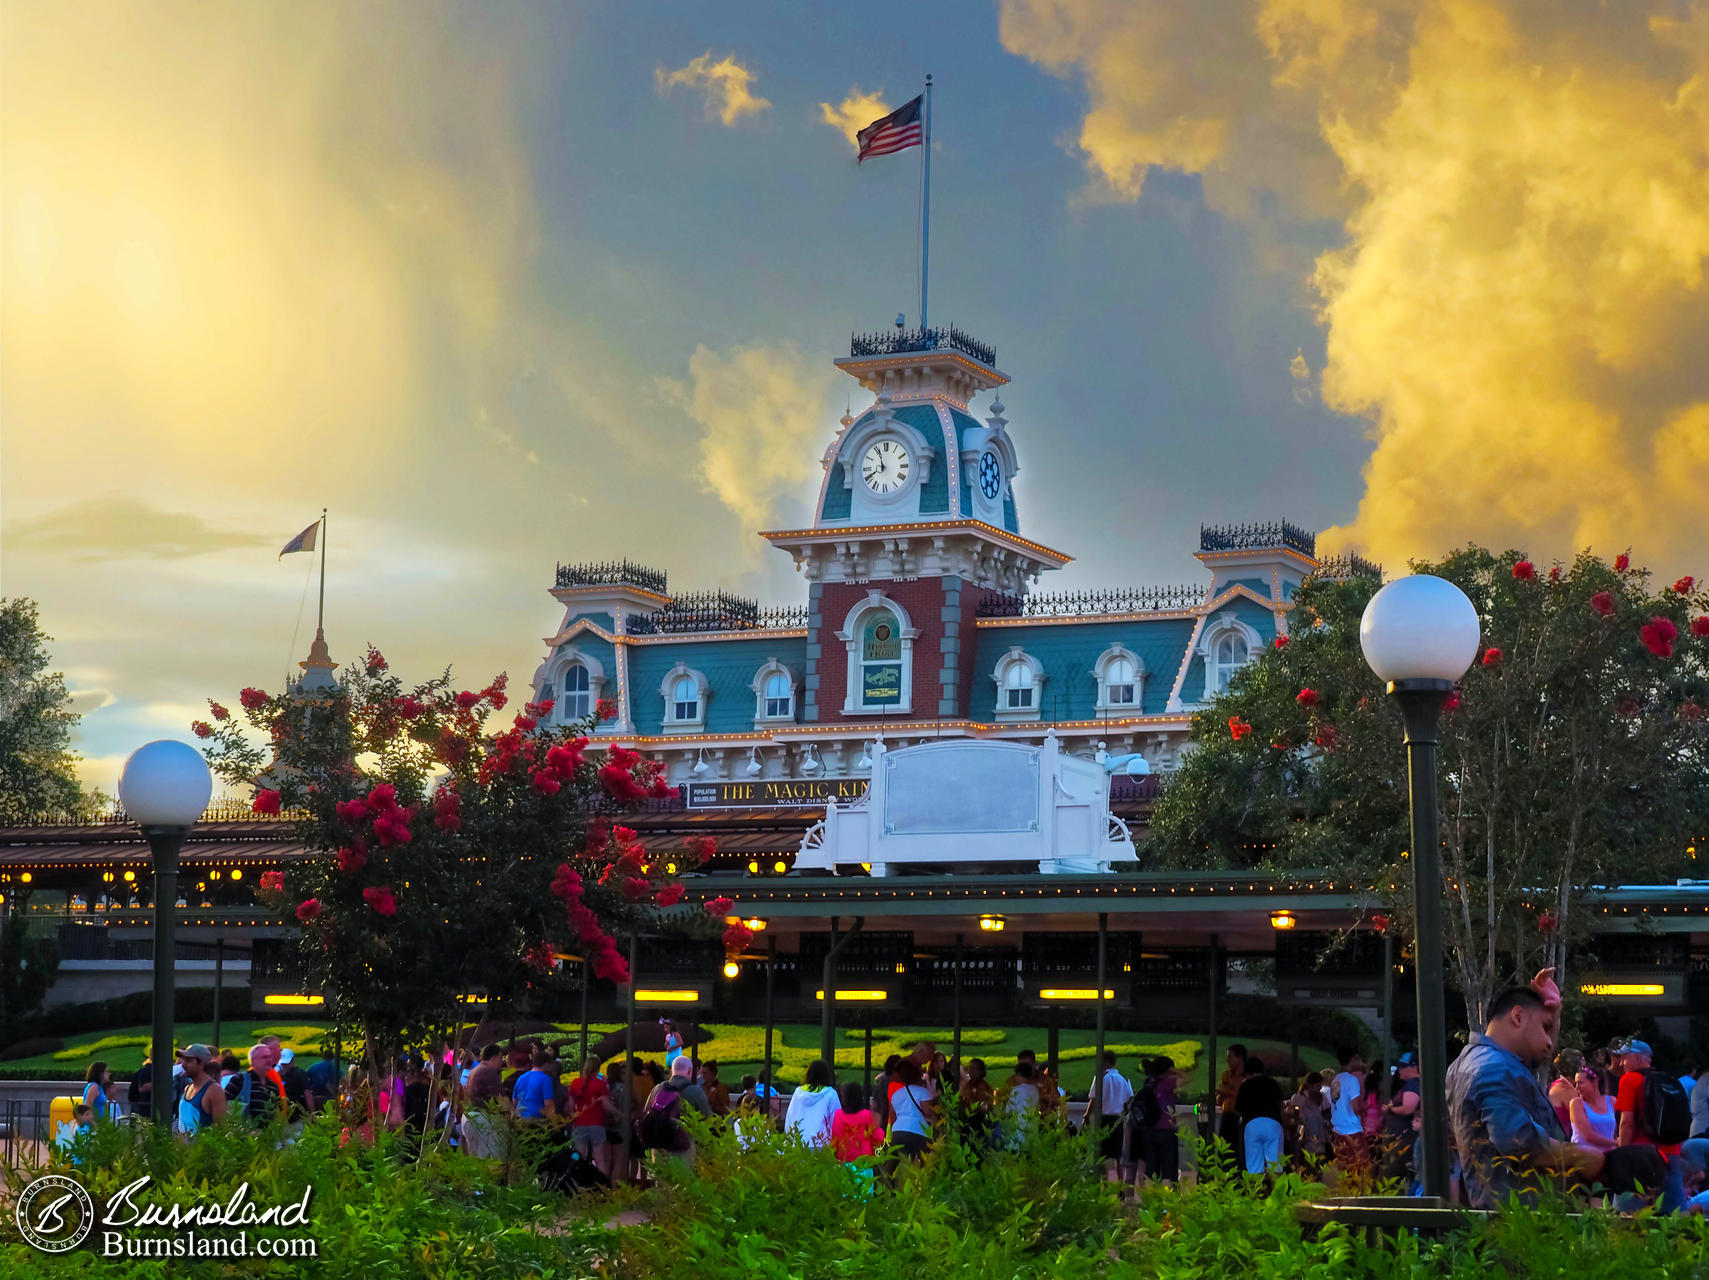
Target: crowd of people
x: 1609, y: 1120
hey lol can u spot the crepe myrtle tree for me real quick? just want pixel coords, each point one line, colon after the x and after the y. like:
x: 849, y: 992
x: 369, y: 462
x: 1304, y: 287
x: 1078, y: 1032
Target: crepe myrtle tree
x: 1575, y: 754
x: 446, y: 857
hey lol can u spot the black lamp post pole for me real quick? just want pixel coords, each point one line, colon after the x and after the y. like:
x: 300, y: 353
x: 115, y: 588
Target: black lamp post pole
x: 1421, y: 710
x: 164, y: 844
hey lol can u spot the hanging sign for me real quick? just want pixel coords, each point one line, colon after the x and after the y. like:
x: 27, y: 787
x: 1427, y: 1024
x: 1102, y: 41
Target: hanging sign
x: 775, y: 793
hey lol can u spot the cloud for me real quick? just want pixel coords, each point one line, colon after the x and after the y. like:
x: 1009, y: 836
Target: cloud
x: 117, y: 527
x: 728, y: 85
x: 855, y: 112
x: 1517, y: 307
x: 763, y: 414
x: 88, y: 701
x: 1299, y: 369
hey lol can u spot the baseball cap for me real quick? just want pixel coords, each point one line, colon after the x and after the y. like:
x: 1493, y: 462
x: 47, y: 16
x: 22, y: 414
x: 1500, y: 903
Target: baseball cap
x: 197, y: 1051
x: 1408, y: 1060
x: 1634, y: 1046
x: 285, y: 1055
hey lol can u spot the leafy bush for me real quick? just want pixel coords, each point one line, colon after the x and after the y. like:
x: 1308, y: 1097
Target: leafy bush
x: 30, y: 1048
x: 96, y: 1047
x: 943, y: 1036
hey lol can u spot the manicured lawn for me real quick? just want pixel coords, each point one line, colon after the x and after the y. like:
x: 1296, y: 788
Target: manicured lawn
x: 739, y: 1049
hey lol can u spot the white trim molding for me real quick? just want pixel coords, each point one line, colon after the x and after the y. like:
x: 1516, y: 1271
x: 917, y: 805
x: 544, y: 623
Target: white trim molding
x: 774, y: 668
x: 561, y: 662
x: 1222, y: 627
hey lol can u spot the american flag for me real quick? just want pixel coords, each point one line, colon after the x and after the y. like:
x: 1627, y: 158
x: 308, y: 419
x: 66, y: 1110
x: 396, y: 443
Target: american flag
x: 895, y: 132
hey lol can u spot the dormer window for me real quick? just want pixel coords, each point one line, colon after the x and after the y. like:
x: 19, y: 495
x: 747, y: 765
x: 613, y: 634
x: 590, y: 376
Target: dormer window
x: 1227, y: 645
x: 1121, y: 681
x: 1020, y: 686
x: 774, y: 694
x: 577, y: 701
x: 684, y: 692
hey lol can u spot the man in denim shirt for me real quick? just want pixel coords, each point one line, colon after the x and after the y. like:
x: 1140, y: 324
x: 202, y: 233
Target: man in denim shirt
x: 1501, y: 1118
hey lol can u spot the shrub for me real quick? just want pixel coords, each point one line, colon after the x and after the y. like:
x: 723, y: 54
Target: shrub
x: 95, y: 1048
x: 30, y: 1048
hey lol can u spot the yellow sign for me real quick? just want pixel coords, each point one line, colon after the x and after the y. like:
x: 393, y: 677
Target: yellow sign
x: 649, y: 996
x: 1074, y: 993
x: 775, y: 793
x: 854, y: 995
x: 293, y: 1000
x: 1623, y: 989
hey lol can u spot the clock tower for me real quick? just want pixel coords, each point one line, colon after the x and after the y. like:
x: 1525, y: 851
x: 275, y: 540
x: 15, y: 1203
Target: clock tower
x: 916, y: 523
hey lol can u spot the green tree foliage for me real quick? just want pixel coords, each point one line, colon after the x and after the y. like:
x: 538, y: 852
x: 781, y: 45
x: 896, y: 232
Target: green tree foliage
x: 1575, y: 754
x: 38, y: 771
x: 28, y: 964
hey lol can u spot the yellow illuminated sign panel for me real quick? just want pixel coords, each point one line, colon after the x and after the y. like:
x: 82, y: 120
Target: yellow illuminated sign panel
x: 854, y: 995
x: 294, y: 1000
x: 685, y: 996
x: 1074, y: 993
x: 1623, y: 989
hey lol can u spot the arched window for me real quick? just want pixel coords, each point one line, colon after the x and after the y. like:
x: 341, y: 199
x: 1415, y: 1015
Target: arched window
x: 577, y: 702
x: 778, y: 695
x: 1020, y: 681
x: 1227, y: 645
x: 686, y: 699
x: 1120, y: 683
x: 684, y: 692
x: 1121, y: 680
x: 879, y: 636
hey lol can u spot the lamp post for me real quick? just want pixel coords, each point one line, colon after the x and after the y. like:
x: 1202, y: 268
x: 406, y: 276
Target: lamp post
x: 165, y: 787
x: 1420, y: 635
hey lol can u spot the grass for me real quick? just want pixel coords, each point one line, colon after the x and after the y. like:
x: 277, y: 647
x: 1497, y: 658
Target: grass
x: 738, y: 1049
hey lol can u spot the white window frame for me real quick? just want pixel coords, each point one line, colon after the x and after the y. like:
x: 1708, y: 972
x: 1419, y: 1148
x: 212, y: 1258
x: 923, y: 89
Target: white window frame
x: 772, y: 669
x: 1225, y: 626
x: 667, y: 691
x: 1101, y: 673
x: 571, y: 656
x: 1017, y: 660
x: 850, y: 636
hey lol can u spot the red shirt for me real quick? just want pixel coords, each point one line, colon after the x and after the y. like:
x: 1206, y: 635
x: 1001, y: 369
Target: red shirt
x: 856, y: 1135
x: 588, y: 1097
x: 1631, y: 1098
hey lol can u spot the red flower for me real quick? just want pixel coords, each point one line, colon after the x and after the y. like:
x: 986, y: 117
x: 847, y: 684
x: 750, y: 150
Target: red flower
x: 1690, y: 711
x: 1306, y: 697
x: 700, y: 850
x: 1546, y: 922
x: 1492, y: 657
x: 351, y: 810
x: 736, y: 938
x: 670, y: 895
x: 308, y: 909
x: 252, y: 699
x: 564, y: 759
x: 273, y: 881
x: 1627, y: 707
x: 393, y: 828
x: 621, y: 757
x: 1603, y: 603
x: 1658, y: 635
x: 659, y: 789
x: 1684, y: 585
x: 375, y: 661
x: 539, y: 956
x: 1328, y: 737
x: 1622, y: 562
x: 720, y: 906
x: 351, y: 860
x: 408, y: 707
x: 467, y: 700
x: 1281, y: 642
x: 546, y: 782
x: 381, y: 899
x: 605, y: 709
x: 1525, y: 571
x: 608, y: 963
x: 265, y: 801
x: 1700, y: 625
x: 1555, y: 573
x: 202, y: 729
x: 383, y: 798
x: 1238, y: 727
x: 540, y: 709
x: 620, y: 784
x: 635, y: 888
x: 220, y: 713
x: 525, y: 723
x: 1380, y: 923
x: 1453, y: 701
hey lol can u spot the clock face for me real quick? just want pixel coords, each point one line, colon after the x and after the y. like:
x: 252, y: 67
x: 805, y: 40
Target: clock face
x: 990, y: 476
x: 884, y: 466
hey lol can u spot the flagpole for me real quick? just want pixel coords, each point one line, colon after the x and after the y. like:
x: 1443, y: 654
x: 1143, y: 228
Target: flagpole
x: 925, y: 202
x: 320, y: 618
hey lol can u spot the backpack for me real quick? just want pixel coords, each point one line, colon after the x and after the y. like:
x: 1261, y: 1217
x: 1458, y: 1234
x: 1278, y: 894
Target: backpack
x: 660, y: 1126
x: 1664, y: 1108
x: 1143, y: 1109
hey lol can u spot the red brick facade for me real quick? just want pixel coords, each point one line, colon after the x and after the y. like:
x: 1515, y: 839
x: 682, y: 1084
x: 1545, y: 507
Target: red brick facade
x: 923, y: 599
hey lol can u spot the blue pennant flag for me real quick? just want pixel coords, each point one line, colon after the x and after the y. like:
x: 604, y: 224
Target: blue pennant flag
x: 304, y: 541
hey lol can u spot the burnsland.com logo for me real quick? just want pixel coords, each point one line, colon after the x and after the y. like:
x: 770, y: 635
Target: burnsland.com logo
x: 56, y: 1214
